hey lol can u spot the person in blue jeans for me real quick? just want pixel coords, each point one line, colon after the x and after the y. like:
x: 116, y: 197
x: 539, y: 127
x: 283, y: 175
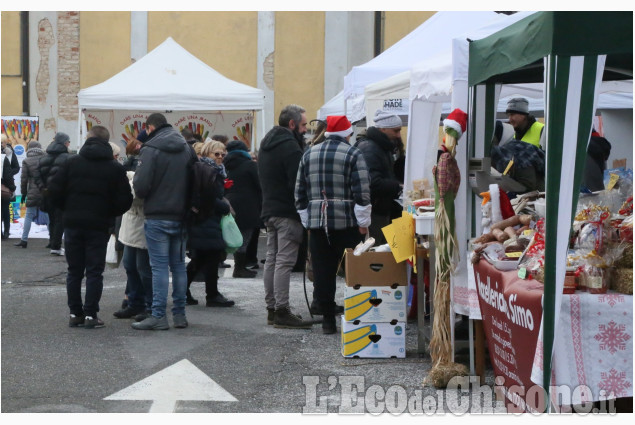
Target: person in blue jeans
x: 162, y: 179
x: 29, y: 181
x: 136, y: 262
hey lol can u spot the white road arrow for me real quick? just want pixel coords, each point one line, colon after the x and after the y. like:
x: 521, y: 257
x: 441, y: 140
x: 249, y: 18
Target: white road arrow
x: 181, y: 381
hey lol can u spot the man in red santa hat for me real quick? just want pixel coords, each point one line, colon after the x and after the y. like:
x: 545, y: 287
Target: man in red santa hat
x: 332, y: 196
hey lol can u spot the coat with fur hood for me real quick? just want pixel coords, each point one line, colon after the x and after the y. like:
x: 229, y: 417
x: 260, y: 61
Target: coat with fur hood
x: 131, y: 232
x: 30, y: 177
x: 91, y: 188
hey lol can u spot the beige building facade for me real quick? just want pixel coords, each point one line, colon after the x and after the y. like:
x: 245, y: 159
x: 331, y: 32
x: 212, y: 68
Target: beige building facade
x: 294, y: 57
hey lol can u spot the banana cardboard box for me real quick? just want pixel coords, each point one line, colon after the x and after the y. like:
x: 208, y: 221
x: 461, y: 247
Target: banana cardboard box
x: 374, y: 269
x: 375, y: 303
x: 373, y: 340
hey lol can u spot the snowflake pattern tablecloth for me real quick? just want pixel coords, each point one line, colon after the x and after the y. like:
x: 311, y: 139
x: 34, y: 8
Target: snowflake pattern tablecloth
x: 593, y: 347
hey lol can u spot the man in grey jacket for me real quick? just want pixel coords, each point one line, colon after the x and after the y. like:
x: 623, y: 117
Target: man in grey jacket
x: 162, y: 181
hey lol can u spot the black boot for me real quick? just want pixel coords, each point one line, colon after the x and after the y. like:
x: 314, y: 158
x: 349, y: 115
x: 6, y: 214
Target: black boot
x: 328, y: 318
x: 239, y: 267
x: 21, y: 243
x: 328, y: 324
x: 190, y: 300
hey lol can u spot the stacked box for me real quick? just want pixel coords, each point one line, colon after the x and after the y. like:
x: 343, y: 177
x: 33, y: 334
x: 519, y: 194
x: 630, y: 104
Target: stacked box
x: 375, y: 299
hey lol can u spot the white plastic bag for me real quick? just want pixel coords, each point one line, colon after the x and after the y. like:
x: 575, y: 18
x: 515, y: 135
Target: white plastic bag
x: 111, y: 253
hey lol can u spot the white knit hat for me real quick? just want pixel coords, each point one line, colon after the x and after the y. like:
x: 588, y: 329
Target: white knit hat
x: 384, y: 119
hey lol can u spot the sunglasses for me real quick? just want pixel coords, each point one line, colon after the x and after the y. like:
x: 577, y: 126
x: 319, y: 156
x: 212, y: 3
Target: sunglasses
x: 219, y: 154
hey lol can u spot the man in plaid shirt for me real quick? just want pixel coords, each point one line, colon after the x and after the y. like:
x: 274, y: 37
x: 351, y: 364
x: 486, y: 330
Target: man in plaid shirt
x: 332, y: 196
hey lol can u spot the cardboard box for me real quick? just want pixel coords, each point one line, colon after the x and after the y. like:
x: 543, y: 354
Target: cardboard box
x: 370, y: 304
x: 373, y: 340
x: 374, y: 269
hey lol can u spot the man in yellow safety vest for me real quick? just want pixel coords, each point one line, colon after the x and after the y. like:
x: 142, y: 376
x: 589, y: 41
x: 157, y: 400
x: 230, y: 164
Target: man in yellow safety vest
x: 526, y: 128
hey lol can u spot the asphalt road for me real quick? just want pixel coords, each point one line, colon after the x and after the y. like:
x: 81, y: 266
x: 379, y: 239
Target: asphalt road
x: 227, y: 360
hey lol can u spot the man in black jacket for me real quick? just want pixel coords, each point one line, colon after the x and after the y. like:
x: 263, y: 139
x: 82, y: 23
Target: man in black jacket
x: 378, y: 147
x: 162, y: 180
x: 56, y: 156
x: 92, y: 189
x: 278, y: 162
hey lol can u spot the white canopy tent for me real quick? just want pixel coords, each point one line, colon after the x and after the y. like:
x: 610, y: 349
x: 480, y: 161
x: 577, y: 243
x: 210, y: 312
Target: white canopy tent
x: 430, y: 38
x: 335, y: 106
x: 169, y: 78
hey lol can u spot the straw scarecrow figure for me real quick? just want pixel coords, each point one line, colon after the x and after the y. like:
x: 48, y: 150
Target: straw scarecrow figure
x: 447, y: 179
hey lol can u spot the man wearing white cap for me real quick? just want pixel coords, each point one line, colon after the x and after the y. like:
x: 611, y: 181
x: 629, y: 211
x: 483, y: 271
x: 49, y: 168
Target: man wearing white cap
x: 332, y: 197
x: 378, y: 147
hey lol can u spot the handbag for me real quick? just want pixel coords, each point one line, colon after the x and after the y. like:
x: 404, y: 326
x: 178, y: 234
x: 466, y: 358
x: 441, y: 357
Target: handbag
x: 41, y: 218
x: 7, y: 194
x: 231, y: 234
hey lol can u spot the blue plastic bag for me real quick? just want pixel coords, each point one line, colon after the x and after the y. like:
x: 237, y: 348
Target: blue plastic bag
x: 41, y: 218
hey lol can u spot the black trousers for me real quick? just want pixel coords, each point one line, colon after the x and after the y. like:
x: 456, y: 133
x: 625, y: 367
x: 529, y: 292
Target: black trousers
x: 206, y: 261
x: 326, y: 254
x: 252, y: 246
x: 56, y: 228
x: 6, y: 218
x: 378, y: 221
x: 85, y: 253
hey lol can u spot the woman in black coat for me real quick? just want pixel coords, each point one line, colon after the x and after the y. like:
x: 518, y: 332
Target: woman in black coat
x: 7, y: 180
x: 205, y: 236
x: 245, y: 197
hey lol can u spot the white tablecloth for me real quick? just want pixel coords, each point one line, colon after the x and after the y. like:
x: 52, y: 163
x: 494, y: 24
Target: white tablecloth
x: 593, y: 347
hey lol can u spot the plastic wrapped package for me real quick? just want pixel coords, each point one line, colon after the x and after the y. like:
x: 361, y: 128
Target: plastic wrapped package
x: 596, y: 279
x: 626, y: 229
x: 533, y: 258
x: 595, y: 231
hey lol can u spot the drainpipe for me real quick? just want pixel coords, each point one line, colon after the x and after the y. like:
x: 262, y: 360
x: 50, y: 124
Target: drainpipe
x: 379, y: 34
x: 24, y: 61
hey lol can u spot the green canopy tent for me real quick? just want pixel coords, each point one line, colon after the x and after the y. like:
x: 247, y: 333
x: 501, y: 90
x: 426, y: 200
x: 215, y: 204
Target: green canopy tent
x: 571, y: 52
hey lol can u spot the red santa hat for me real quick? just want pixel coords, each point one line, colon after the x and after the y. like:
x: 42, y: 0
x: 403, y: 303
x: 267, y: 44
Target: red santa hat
x: 501, y: 207
x: 457, y: 120
x: 338, y: 125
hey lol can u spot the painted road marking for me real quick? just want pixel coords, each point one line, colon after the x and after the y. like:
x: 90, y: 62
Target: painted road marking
x: 181, y: 381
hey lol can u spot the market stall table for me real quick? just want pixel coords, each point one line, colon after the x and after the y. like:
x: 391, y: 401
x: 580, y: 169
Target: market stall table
x: 593, y: 352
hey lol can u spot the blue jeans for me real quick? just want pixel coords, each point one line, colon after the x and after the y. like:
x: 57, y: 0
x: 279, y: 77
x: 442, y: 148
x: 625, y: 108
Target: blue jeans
x: 136, y: 261
x: 31, y: 212
x: 166, y: 246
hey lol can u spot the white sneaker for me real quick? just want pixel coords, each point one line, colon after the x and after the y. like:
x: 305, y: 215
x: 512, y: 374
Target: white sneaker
x: 59, y: 252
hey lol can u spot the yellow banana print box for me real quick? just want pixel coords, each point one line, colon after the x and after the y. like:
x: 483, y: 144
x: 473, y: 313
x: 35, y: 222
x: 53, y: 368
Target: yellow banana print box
x: 373, y: 340
x: 374, y: 269
x: 375, y: 303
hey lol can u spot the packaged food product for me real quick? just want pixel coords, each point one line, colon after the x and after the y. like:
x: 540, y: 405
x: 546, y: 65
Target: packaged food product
x: 596, y: 279
x: 570, y: 281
